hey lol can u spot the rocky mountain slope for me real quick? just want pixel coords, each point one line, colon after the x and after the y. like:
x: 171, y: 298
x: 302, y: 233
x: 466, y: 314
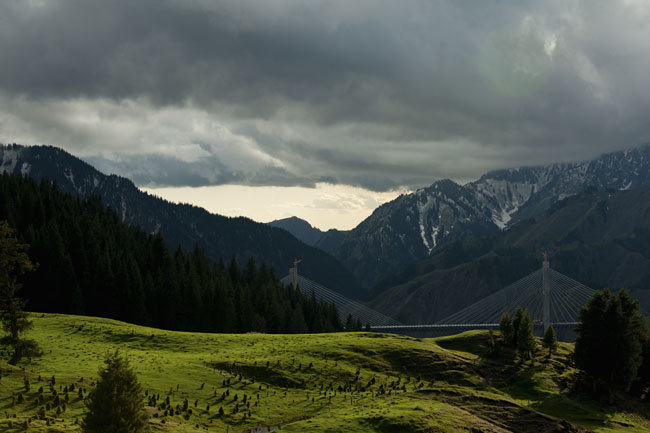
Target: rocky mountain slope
x: 600, y: 238
x: 414, y: 226
x: 181, y: 224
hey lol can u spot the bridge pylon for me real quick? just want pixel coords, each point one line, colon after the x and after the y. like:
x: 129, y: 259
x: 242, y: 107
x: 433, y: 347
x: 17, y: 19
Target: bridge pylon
x: 546, y: 291
x: 293, y: 273
x: 549, y: 296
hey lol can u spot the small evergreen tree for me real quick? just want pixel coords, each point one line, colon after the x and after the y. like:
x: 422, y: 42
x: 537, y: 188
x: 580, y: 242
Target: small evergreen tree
x: 526, y: 343
x: 643, y: 372
x: 350, y: 323
x: 116, y: 405
x: 505, y: 326
x: 14, y: 262
x: 516, y: 320
x: 494, y: 347
x: 550, y: 340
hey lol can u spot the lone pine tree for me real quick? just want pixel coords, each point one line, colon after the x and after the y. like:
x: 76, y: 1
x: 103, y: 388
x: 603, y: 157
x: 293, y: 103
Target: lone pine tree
x: 116, y: 405
x: 14, y: 262
x: 526, y: 343
x: 516, y: 320
x: 550, y: 340
x: 507, y: 332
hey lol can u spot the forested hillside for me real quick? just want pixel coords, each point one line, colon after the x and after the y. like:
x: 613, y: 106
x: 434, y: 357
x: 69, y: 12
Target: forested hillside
x: 92, y: 263
x: 181, y: 224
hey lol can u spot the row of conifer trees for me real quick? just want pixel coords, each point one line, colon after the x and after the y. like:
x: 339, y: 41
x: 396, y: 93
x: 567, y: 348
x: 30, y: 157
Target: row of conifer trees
x: 612, y: 345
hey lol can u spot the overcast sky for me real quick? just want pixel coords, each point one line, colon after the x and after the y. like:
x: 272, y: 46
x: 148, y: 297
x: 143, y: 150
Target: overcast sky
x: 376, y: 95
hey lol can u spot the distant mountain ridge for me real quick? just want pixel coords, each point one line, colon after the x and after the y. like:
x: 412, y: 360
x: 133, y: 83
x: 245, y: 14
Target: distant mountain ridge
x: 327, y: 241
x: 300, y: 228
x: 181, y: 224
x: 414, y: 226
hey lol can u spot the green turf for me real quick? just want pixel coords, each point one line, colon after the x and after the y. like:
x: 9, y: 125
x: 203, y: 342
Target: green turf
x: 387, y: 383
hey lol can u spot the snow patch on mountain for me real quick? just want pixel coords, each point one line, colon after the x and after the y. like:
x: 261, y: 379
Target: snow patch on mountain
x: 434, y: 239
x: 504, y: 218
x: 9, y: 160
x: 70, y: 176
x: 503, y: 197
x: 423, y: 209
x: 25, y: 168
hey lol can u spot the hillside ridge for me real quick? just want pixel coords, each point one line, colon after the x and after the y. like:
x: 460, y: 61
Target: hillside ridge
x: 355, y: 382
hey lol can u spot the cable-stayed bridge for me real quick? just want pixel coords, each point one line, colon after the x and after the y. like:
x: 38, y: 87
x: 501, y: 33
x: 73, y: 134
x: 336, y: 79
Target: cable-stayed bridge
x: 563, y: 301
x: 549, y: 296
x: 344, y: 305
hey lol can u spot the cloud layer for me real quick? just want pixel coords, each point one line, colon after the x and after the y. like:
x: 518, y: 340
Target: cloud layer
x: 378, y: 94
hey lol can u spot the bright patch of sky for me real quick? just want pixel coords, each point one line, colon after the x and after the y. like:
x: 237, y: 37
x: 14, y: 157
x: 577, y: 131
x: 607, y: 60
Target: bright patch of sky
x: 326, y: 206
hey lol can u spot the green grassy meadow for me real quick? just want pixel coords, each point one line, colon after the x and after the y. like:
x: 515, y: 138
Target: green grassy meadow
x: 351, y: 382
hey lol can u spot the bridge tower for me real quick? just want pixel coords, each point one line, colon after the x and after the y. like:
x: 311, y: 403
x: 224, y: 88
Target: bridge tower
x: 293, y: 273
x: 546, y: 290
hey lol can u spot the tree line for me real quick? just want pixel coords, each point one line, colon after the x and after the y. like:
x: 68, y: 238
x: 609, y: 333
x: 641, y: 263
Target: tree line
x: 613, y: 343
x: 91, y: 263
x: 612, y: 347
x: 518, y: 333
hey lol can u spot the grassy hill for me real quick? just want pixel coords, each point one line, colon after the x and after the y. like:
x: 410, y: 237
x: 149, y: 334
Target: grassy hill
x: 355, y: 382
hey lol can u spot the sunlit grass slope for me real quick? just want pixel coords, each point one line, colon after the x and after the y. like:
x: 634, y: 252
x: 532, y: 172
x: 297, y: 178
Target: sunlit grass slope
x: 354, y: 382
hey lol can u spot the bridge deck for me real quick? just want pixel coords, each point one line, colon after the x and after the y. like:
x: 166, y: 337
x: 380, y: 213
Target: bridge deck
x: 461, y: 325
x: 564, y: 330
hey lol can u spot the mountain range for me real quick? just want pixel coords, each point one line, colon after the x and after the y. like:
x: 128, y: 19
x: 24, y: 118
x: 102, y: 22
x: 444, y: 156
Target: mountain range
x: 415, y: 226
x: 426, y: 254
x: 598, y: 237
x: 181, y: 224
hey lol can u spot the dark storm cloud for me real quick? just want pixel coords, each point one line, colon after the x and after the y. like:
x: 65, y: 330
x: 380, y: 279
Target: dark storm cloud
x: 159, y: 170
x: 167, y: 51
x: 377, y: 94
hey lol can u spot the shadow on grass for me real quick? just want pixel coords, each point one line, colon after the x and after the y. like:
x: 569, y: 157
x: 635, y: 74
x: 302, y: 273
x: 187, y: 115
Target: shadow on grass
x: 577, y: 410
x: 473, y: 342
x: 543, y: 386
x: 264, y: 375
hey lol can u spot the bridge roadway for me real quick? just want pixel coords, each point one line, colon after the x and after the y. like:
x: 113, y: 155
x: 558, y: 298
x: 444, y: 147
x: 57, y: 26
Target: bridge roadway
x: 563, y: 329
